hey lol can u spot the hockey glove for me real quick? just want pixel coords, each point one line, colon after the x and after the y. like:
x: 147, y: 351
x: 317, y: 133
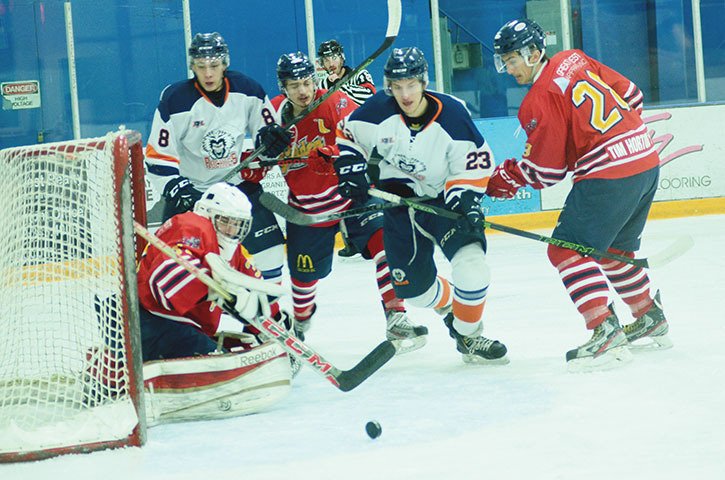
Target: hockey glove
x: 352, y: 177
x: 505, y: 180
x: 274, y: 139
x: 468, y: 204
x: 253, y: 175
x: 180, y: 194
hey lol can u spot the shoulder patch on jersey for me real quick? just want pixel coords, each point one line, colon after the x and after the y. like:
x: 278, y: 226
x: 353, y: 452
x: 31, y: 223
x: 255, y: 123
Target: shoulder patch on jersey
x: 573, y: 62
x: 192, y: 242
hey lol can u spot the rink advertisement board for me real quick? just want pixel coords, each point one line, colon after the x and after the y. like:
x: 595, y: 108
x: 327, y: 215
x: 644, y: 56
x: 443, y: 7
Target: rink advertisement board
x: 688, y: 139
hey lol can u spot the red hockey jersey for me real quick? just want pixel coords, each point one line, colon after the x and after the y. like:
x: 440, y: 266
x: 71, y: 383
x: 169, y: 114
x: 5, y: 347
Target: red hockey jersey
x: 313, y: 183
x: 583, y: 117
x: 168, y: 290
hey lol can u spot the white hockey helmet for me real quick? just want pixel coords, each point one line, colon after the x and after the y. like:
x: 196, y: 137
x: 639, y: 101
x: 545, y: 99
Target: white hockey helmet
x: 228, y: 209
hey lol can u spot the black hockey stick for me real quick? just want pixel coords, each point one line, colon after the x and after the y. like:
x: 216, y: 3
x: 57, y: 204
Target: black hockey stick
x: 292, y: 215
x: 673, y: 251
x: 345, y: 380
x: 394, y: 15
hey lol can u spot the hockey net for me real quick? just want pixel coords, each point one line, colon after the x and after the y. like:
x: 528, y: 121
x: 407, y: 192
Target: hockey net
x: 70, y: 367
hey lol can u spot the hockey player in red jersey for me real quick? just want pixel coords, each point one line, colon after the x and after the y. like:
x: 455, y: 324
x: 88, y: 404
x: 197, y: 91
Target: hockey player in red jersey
x: 583, y: 118
x: 313, y: 188
x: 179, y: 316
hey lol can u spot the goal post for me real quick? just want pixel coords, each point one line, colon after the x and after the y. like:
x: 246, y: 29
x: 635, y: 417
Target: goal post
x: 70, y: 356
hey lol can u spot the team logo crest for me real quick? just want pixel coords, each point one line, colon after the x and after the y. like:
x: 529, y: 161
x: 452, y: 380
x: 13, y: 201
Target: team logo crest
x: 411, y: 166
x: 191, y: 242
x: 218, y: 144
x: 398, y: 277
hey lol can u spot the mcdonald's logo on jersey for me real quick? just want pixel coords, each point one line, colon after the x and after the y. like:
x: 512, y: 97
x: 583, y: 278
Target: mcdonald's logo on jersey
x: 304, y: 263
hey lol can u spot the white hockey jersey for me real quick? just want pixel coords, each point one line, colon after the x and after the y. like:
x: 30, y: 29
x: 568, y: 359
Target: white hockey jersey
x: 192, y: 137
x: 448, y: 155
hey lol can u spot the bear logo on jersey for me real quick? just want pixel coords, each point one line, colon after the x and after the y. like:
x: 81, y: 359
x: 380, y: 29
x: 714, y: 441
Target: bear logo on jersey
x: 218, y: 144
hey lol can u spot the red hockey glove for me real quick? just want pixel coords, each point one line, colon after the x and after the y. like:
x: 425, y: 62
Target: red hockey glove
x: 254, y: 175
x: 505, y: 180
x: 328, y: 153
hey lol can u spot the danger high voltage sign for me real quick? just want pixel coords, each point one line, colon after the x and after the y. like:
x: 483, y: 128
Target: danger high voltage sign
x: 21, y: 94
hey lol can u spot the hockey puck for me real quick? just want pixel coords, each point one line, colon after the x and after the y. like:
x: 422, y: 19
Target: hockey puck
x: 373, y: 428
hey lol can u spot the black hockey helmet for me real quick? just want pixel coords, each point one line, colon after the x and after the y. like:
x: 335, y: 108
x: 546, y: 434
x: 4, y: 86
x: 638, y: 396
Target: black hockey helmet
x: 330, y: 48
x: 517, y: 36
x: 403, y: 63
x: 209, y: 45
x: 293, y: 66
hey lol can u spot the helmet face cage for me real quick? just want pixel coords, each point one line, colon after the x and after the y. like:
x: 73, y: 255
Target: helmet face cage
x: 226, y: 206
x: 405, y: 63
x: 523, y: 36
x: 209, y: 45
x: 294, y: 66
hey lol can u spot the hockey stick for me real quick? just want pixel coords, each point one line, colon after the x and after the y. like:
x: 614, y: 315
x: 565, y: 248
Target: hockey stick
x: 345, y: 380
x: 394, y: 15
x: 292, y: 215
x: 673, y: 251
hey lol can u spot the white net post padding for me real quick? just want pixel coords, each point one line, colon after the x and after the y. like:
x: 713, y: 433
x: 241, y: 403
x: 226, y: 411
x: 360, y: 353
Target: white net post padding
x: 68, y: 377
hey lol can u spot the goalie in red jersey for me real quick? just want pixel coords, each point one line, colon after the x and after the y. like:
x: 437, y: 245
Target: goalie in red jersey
x: 313, y: 188
x: 179, y: 315
x: 582, y: 117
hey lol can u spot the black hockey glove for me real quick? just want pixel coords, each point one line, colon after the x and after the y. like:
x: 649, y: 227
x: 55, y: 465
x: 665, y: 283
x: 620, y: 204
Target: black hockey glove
x: 468, y: 204
x: 180, y: 195
x: 274, y: 139
x: 352, y: 177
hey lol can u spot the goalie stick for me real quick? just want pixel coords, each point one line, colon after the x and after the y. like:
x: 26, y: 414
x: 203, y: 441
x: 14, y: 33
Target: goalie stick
x: 394, y: 15
x: 667, y: 255
x: 345, y: 380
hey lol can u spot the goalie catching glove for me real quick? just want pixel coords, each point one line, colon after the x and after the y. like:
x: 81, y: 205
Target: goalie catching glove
x: 251, y: 294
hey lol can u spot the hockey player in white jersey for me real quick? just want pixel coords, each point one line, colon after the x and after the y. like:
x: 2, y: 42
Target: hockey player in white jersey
x: 200, y: 124
x: 430, y: 147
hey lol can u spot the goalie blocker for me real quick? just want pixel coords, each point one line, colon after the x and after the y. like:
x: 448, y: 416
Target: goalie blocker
x: 216, y: 386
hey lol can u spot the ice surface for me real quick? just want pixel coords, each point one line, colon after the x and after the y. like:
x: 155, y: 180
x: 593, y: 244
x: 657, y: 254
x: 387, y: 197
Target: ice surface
x: 661, y: 417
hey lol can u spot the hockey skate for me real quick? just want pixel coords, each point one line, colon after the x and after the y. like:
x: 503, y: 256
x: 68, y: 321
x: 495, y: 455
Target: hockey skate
x: 405, y: 336
x: 650, y: 330
x: 608, y: 348
x: 476, y: 348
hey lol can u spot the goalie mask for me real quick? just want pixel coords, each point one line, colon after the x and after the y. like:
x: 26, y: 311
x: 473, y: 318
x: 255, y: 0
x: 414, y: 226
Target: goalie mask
x: 229, y: 211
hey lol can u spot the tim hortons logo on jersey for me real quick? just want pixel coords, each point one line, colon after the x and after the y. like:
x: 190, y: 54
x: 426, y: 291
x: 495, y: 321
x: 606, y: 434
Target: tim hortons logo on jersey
x: 305, y: 264
x: 399, y: 277
x: 218, y: 144
x: 411, y: 166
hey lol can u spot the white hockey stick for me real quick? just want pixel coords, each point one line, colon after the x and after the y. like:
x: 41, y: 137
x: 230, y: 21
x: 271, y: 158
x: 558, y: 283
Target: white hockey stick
x: 345, y: 380
x: 394, y: 16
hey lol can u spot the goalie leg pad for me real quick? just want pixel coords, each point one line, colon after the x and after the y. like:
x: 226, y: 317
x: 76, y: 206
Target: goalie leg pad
x: 216, y: 386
